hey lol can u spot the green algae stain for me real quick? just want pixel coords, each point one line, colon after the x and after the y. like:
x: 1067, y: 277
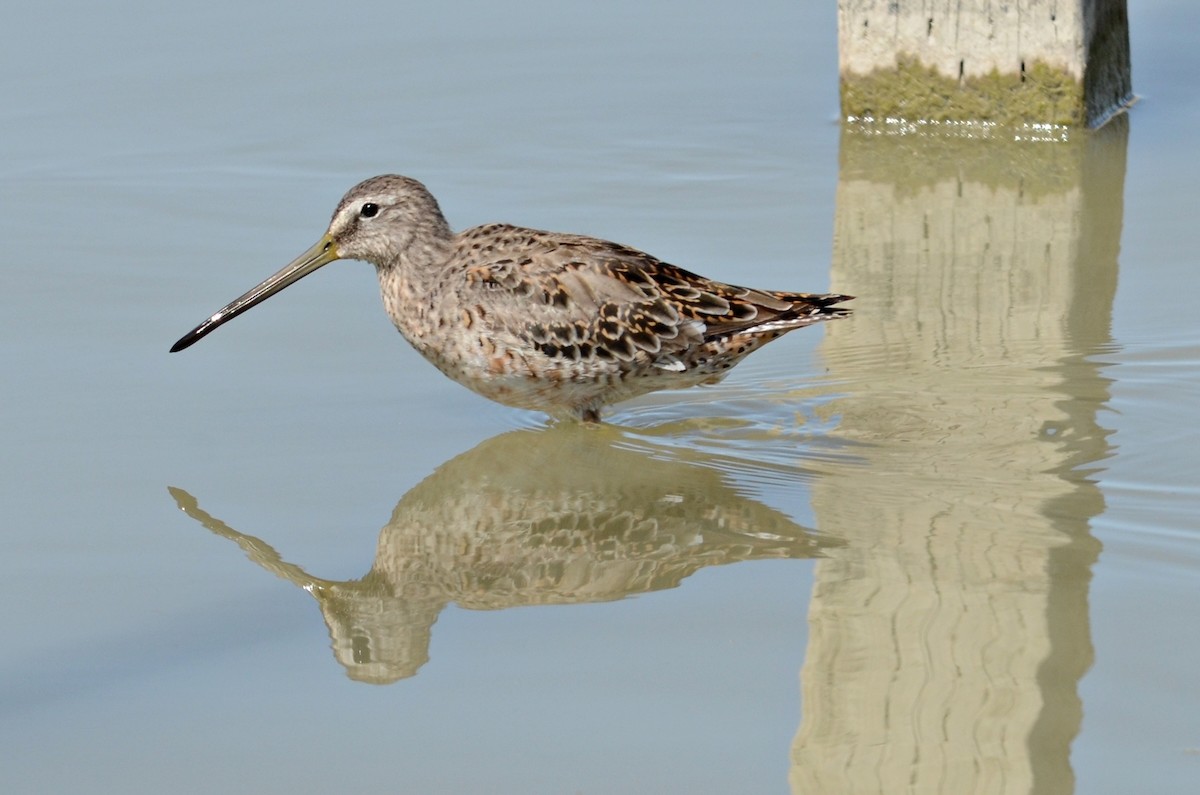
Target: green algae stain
x: 1042, y: 95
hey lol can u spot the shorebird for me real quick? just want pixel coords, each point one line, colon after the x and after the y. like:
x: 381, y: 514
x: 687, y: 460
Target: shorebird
x: 560, y: 323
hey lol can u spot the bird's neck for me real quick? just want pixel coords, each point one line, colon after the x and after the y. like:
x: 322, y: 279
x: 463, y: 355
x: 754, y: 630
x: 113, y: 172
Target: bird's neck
x: 417, y: 263
x: 410, y: 284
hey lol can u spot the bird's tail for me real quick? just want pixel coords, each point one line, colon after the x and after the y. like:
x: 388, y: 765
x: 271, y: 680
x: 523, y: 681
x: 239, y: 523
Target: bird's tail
x: 813, y: 307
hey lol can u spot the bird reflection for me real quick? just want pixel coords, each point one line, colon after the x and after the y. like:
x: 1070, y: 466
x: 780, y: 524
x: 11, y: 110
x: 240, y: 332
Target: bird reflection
x: 563, y: 515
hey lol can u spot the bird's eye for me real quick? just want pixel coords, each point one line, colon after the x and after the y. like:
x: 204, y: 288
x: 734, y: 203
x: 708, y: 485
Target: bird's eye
x: 369, y: 210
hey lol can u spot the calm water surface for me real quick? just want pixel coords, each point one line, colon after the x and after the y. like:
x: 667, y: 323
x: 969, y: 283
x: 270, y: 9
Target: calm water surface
x: 948, y: 545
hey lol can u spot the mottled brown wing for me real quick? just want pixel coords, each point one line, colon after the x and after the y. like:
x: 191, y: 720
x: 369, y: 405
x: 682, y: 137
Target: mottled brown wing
x: 581, y: 297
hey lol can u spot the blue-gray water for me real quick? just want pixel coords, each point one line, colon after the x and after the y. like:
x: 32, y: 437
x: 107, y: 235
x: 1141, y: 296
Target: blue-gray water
x: 950, y: 544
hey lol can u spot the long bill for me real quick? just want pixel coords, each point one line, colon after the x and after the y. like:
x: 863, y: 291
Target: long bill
x: 323, y: 253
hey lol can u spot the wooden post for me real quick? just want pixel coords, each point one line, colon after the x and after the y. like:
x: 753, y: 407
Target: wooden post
x: 1023, y: 62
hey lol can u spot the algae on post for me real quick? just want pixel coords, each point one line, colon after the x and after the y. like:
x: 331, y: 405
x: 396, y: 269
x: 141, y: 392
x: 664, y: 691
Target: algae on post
x: 1040, y: 94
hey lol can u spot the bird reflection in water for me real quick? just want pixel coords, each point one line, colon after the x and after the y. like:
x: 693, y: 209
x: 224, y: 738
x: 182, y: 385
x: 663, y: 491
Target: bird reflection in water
x: 573, y: 516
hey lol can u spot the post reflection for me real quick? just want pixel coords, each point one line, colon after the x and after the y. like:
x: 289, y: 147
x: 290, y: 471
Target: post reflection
x: 573, y: 516
x: 949, y: 635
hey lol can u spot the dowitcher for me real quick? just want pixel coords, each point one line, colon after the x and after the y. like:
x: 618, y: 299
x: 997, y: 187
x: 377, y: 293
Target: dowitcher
x: 561, y: 323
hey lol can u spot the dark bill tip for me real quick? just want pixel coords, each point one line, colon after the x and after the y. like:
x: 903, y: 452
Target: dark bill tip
x: 187, y: 340
x: 201, y: 331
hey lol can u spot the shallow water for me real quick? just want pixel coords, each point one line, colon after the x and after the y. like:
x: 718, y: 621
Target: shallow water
x: 949, y: 544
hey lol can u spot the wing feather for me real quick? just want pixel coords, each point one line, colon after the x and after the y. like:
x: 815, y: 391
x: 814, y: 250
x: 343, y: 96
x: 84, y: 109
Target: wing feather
x: 597, y: 299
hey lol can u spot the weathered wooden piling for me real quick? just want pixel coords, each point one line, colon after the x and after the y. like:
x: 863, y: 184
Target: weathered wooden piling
x: 1022, y: 62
